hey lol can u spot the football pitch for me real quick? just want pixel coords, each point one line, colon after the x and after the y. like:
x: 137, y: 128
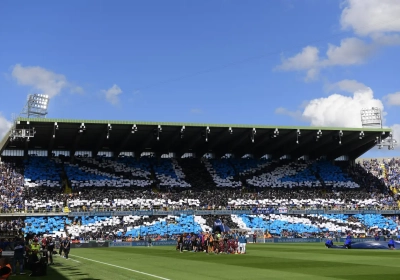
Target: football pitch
x: 263, y: 261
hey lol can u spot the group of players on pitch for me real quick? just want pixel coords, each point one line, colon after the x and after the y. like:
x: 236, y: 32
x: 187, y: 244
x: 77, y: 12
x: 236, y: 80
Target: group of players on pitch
x: 217, y: 243
x: 347, y: 242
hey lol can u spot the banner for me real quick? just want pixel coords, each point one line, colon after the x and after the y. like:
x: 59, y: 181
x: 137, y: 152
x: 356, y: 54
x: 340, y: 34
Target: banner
x: 120, y: 244
x: 282, y: 210
x: 359, y: 239
x: 154, y: 243
x: 297, y: 240
x: 143, y: 243
x: 315, y: 211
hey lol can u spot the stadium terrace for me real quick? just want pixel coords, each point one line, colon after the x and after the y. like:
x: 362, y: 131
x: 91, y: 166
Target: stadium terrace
x: 141, y: 181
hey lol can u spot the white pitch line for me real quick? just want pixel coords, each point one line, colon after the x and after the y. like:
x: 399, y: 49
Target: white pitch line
x: 69, y: 259
x: 121, y: 267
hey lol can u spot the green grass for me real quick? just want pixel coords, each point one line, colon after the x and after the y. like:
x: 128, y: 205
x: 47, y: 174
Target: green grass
x: 263, y: 261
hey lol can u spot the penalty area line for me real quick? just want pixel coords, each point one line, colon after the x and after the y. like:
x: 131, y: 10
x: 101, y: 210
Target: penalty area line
x: 125, y: 268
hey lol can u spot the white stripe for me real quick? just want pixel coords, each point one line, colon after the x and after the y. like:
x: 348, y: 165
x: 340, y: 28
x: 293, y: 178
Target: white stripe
x: 136, y: 271
x: 68, y: 259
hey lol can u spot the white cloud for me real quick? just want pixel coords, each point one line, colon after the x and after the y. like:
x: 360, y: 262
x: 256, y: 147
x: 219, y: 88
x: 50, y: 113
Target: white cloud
x: 378, y: 20
x: 351, y: 51
x: 369, y: 17
x: 348, y: 86
x: 393, y: 99
x: 339, y: 110
x: 112, y: 94
x: 43, y: 80
x: 5, y: 125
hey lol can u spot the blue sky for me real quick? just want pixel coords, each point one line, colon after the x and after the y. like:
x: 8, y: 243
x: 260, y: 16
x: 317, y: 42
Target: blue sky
x: 261, y: 62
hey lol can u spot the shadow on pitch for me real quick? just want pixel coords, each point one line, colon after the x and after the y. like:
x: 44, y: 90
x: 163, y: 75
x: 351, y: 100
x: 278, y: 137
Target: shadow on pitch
x: 66, y: 271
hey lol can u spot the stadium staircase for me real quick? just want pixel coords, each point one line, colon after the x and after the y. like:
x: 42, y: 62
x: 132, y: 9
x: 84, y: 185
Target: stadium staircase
x: 196, y: 173
x: 66, y: 187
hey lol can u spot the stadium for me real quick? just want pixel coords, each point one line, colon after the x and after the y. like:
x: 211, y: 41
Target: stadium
x: 122, y: 187
x: 199, y: 140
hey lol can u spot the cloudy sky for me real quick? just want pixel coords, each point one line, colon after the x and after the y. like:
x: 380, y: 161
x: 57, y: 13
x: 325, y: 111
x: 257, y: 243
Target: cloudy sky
x: 283, y: 62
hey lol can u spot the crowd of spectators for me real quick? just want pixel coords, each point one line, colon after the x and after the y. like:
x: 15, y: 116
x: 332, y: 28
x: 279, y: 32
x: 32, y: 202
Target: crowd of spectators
x: 378, y: 187
x: 11, y: 188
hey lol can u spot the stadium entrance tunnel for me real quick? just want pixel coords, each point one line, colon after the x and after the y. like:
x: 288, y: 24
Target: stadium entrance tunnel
x: 367, y: 245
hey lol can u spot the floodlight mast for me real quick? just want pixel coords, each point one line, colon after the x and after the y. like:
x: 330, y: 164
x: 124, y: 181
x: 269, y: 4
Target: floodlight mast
x: 35, y: 107
x: 373, y: 118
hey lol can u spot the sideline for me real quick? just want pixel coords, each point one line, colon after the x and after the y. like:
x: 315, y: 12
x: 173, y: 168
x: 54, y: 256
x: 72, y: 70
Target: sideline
x: 121, y: 267
x: 67, y: 259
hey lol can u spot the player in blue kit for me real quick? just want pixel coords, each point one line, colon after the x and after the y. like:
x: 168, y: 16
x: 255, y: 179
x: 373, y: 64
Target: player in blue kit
x: 391, y: 244
x: 329, y: 243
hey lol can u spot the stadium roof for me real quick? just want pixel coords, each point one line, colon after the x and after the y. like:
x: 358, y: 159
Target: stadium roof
x: 194, y: 138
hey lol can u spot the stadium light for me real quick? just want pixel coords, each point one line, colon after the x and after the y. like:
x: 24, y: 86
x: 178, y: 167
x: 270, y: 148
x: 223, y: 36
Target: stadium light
x: 390, y: 142
x: 82, y: 128
x: 207, y: 132
x: 275, y: 134
x: 298, y: 134
x: 371, y: 117
x: 36, y: 106
x: 109, y: 128
x: 319, y: 135
x: 253, y: 134
x: 54, y: 129
x: 158, y: 131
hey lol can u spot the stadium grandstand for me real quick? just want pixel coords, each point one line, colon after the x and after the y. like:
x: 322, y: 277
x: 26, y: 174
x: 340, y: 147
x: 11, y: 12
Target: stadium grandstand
x: 126, y: 180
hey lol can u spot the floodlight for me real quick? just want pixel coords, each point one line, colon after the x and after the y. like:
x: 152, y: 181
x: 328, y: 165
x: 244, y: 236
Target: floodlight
x: 82, y: 128
x: 157, y: 132
x: 371, y: 117
x: 36, y: 106
x: 206, y: 133
x: 298, y: 134
x: 319, y: 135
